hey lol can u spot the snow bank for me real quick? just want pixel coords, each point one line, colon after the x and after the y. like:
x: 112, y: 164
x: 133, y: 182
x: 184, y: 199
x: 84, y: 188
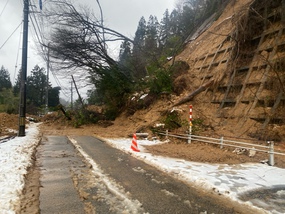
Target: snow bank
x: 15, y: 158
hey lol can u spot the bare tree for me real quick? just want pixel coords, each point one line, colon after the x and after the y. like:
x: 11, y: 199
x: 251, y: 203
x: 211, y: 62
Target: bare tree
x: 78, y: 39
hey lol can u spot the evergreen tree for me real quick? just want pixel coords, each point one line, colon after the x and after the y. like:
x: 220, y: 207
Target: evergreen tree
x: 93, y: 97
x: 174, y: 23
x: 164, y: 29
x: 170, y: 38
x: 36, y: 87
x: 187, y: 21
x: 151, y: 38
x: 138, y: 56
x: 125, y: 53
x: 36, y: 90
x: 5, y: 81
x: 139, y: 39
x: 53, y: 96
x: 7, y: 100
x: 195, y: 12
x: 16, y: 88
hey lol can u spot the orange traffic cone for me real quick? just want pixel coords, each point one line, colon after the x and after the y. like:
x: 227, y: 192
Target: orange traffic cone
x: 134, y: 145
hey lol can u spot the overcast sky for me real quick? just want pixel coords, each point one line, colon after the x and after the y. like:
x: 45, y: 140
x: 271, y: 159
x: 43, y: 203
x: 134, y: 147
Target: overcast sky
x: 120, y: 15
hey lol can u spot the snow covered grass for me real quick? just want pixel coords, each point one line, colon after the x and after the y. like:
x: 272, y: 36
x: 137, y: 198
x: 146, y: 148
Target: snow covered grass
x: 15, y: 158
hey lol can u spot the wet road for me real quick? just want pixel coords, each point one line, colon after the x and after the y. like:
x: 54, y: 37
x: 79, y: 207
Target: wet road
x: 111, y: 181
x: 58, y: 159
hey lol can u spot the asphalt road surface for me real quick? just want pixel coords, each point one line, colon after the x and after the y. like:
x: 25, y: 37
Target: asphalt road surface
x: 102, y: 179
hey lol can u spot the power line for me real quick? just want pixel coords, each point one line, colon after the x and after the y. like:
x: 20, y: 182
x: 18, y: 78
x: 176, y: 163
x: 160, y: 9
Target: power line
x: 37, y: 30
x: 11, y: 35
x: 59, y: 84
x: 4, y: 7
x: 40, y: 38
x: 36, y: 22
x: 17, y: 57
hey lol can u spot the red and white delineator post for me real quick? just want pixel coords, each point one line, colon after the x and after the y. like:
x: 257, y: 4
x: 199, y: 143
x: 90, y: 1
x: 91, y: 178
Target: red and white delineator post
x: 190, y: 124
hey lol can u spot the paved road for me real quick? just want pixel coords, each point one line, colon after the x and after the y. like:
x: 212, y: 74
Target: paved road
x: 58, y: 159
x: 114, y: 182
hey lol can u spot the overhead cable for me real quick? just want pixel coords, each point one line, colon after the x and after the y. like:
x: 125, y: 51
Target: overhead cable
x: 10, y: 35
x: 20, y: 39
x: 4, y: 7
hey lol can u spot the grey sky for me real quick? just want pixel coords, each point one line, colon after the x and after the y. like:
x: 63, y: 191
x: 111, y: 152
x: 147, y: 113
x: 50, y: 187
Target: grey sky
x: 120, y: 15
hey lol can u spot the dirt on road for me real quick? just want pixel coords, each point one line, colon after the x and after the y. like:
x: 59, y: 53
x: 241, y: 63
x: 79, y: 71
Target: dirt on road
x: 123, y: 127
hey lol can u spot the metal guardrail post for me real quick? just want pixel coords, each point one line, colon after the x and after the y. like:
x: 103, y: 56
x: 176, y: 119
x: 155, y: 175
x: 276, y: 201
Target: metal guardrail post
x: 166, y: 133
x: 190, y: 124
x: 222, y: 141
x: 190, y: 133
x: 271, y: 153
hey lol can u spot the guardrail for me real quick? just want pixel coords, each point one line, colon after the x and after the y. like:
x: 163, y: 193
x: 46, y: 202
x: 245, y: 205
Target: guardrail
x: 231, y: 143
x: 5, y: 139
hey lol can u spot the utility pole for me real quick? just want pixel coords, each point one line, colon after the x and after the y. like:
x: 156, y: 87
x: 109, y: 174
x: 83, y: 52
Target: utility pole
x: 79, y: 97
x: 47, y: 83
x: 23, y: 87
x: 71, y: 91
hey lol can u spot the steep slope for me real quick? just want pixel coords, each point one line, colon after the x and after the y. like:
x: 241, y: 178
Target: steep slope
x: 242, y: 55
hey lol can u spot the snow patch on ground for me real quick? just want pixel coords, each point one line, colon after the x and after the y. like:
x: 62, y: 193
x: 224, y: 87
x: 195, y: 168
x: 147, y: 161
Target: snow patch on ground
x: 15, y: 158
x: 229, y: 180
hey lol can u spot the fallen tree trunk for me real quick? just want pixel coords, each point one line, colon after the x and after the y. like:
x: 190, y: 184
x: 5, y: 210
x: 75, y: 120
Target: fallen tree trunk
x: 63, y: 111
x: 194, y: 93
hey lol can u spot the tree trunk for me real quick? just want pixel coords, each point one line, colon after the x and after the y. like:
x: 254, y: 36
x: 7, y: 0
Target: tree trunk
x: 194, y: 93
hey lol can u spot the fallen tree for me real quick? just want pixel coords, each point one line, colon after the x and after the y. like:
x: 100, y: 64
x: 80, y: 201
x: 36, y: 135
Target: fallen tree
x: 194, y: 93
